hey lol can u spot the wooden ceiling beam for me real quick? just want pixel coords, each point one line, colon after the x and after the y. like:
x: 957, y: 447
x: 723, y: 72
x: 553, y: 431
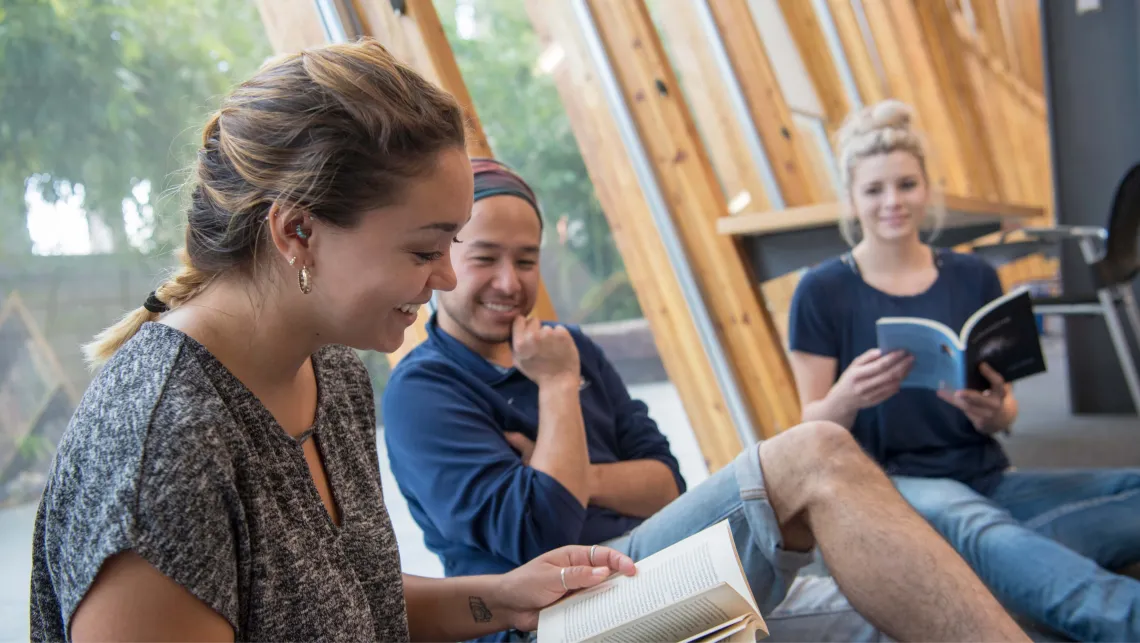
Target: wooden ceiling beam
x: 803, y: 23
x: 695, y: 202
x: 859, y: 58
x: 770, y: 112
x: 635, y: 233
x: 707, y: 95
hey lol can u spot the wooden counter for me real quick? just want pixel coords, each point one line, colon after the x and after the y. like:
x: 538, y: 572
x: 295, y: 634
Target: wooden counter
x: 787, y: 240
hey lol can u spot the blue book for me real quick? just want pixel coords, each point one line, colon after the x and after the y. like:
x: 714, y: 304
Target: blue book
x: 1003, y: 334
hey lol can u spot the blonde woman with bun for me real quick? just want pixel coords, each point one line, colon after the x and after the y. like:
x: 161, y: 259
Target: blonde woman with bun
x: 1042, y: 541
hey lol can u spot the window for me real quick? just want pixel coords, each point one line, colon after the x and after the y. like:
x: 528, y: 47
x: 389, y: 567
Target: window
x: 101, y: 107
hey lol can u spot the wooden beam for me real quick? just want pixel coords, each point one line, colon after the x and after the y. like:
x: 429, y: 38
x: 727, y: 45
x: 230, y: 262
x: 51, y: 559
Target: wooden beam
x: 766, y: 102
x: 631, y: 222
x: 867, y: 78
x: 707, y: 95
x: 808, y: 35
x: 696, y: 202
x: 416, y: 36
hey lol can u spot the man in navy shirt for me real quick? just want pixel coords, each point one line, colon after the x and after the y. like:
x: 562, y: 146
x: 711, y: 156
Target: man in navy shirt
x: 510, y: 437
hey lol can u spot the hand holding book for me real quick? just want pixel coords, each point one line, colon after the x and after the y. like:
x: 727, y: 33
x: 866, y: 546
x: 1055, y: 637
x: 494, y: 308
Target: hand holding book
x: 985, y: 409
x: 871, y: 378
x: 1003, y: 334
x: 693, y: 591
x: 526, y: 590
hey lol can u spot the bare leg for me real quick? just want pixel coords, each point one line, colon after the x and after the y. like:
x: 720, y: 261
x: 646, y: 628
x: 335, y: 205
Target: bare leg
x: 892, y: 566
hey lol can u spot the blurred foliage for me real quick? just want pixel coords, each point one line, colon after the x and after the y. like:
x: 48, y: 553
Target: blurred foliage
x: 111, y: 95
x: 527, y: 127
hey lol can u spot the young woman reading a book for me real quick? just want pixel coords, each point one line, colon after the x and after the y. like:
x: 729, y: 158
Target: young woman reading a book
x: 219, y: 480
x: 1042, y: 541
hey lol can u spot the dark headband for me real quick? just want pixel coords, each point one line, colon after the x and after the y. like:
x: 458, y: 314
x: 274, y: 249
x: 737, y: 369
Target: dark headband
x: 493, y: 178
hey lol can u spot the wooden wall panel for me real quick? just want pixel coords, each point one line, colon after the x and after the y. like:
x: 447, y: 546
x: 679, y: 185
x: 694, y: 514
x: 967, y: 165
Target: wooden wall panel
x: 1014, y: 123
x: 696, y: 202
x: 900, y: 85
x: 635, y: 234
x: 707, y: 96
x: 769, y: 110
x: 804, y: 25
x: 867, y: 78
x: 990, y: 28
x: 1024, y: 23
x: 935, y: 28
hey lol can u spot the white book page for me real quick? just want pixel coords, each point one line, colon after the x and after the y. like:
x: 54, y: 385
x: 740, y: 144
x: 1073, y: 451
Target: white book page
x: 682, y: 620
x: 718, y: 629
x: 690, y: 567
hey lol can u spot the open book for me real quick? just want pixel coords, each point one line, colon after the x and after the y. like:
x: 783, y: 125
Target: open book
x: 1003, y: 334
x: 694, y: 591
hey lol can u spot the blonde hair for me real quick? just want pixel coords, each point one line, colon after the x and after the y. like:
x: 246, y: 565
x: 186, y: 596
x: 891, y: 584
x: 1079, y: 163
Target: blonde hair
x: 335, y: 130
x: 882, y: 128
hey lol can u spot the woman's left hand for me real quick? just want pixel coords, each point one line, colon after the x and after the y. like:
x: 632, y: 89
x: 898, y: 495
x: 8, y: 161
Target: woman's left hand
x: 985, y: 409
x: 527, y: 589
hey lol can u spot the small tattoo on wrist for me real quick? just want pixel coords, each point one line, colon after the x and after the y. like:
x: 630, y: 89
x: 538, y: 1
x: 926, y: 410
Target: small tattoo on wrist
x: 479, y: 610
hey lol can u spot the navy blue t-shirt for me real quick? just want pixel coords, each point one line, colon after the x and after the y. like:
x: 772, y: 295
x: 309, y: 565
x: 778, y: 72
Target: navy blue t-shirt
x: 914, y: 433
x: 481, y: 509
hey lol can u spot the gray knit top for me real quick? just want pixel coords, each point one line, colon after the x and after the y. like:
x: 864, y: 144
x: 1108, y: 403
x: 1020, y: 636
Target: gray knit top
x: 170, y: 456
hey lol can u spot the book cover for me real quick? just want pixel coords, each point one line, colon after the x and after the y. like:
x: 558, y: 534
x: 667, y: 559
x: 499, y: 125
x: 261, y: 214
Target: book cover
x: 1003, y: 334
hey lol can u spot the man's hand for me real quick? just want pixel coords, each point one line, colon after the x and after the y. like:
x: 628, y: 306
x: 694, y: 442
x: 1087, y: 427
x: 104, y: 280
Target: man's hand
x: 544, y: 354
x: 520, y: 443
x: 985, y: 409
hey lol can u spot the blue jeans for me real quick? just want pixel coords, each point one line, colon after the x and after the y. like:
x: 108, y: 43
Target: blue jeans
x: 808, y: 608
x: 1042, y: 542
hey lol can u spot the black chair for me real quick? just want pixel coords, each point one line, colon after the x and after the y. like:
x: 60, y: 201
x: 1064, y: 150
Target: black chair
x: 1112, y: 255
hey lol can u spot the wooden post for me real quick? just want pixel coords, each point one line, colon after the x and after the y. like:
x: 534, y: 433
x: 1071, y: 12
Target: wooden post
x: 770, y: 113
x: 417, y: 37
x: 695, y: 202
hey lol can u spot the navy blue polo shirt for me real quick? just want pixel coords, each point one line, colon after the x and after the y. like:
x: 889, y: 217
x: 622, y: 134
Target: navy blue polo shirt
x: 481, y: 510
x: 914, y: 433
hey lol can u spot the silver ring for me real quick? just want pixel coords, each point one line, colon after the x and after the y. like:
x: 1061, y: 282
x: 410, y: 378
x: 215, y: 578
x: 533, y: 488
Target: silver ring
x: 592, y: 548
x: 563, y: 576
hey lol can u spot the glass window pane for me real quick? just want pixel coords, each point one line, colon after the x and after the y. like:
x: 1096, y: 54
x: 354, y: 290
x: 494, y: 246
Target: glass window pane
x: 101, y: 109
x: 501, y: 60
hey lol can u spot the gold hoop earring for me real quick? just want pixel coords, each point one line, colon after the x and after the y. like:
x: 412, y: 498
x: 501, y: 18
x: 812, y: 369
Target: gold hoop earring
x: 305, y: 280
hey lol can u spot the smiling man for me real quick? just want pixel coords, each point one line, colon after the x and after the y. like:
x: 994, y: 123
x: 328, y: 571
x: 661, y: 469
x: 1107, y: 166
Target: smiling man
x: 510, y: 437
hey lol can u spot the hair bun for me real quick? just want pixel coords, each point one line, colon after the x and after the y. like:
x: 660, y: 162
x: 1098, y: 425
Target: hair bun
x: 892, y: 114
x: 887, y: 114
